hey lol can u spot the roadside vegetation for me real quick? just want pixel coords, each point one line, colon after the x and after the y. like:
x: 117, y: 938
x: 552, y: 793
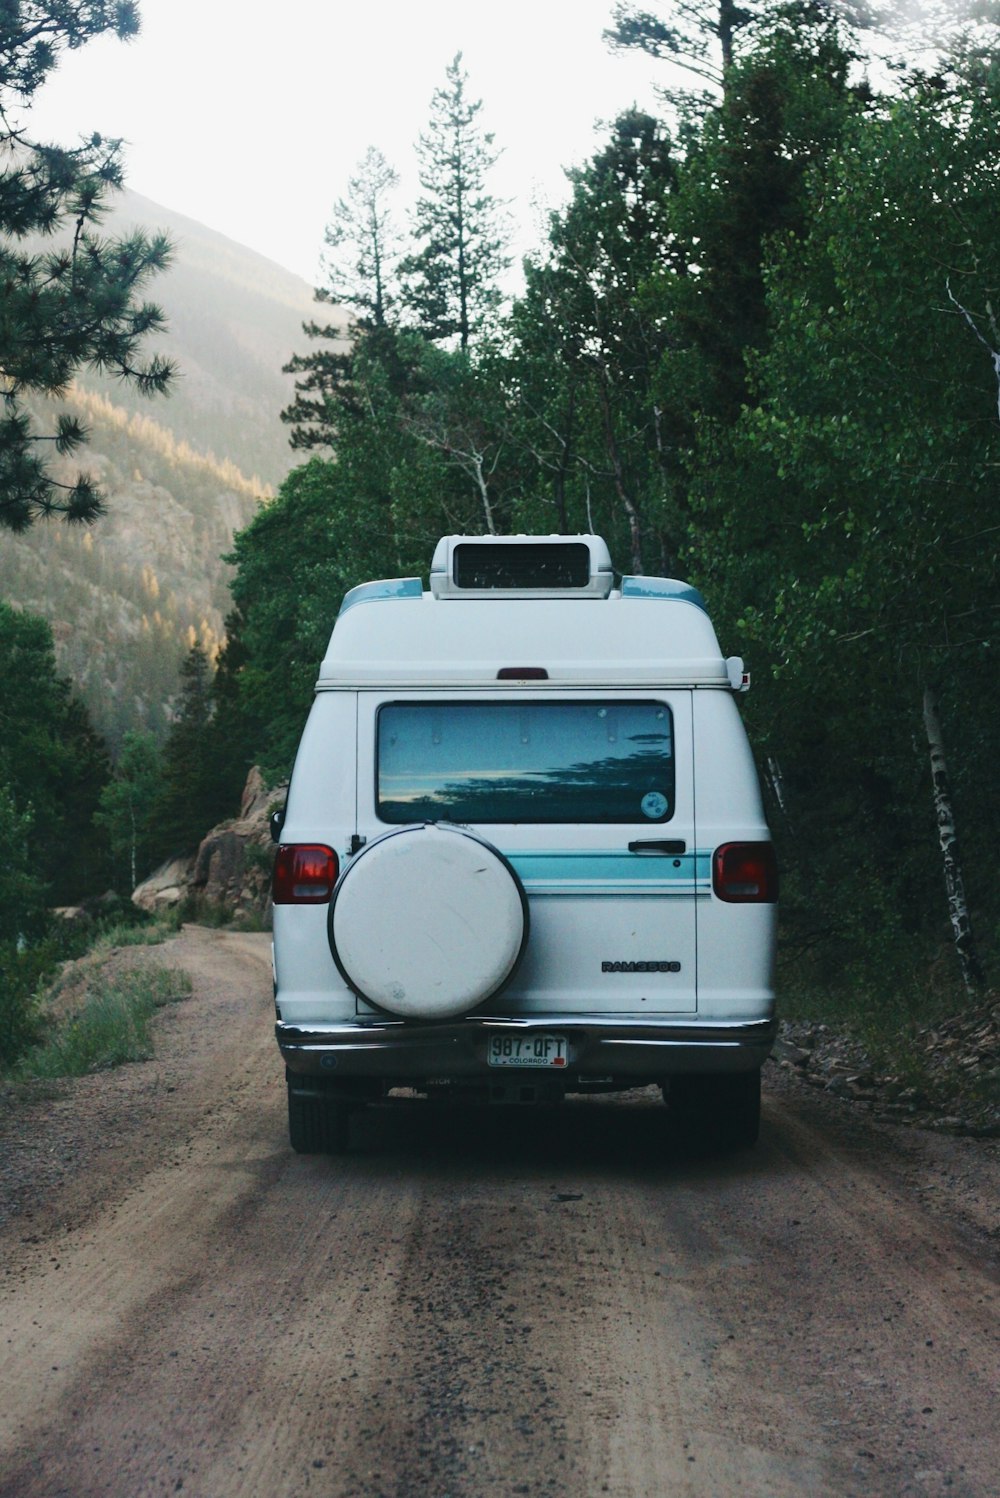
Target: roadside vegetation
x: 65, y: 1009
x: 111, y: 1026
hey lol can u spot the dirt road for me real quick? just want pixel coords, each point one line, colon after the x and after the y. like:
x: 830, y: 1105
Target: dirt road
x: 503, y: 1304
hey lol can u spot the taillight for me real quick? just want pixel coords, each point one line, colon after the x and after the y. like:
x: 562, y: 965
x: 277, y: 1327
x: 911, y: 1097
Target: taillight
x: 745, y: 873
x: 304, y: 874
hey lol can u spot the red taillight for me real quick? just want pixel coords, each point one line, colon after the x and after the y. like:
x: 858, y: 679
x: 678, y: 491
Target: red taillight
x: 745, y: 873
x: 304, y: 874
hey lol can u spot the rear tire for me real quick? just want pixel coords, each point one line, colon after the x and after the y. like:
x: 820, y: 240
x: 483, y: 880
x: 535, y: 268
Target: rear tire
x: 717, y: 1112
x: 317, y: 1125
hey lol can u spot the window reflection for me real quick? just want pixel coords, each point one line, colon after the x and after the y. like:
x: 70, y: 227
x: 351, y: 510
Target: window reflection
x: 525, y: 762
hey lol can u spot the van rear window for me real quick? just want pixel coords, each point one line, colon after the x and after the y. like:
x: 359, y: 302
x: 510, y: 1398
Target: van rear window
x: 525, y: 762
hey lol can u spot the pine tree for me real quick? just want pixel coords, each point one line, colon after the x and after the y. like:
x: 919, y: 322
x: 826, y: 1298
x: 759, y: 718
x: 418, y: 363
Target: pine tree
x: 451, y: 281
x: 52, y: 765
x: 696, y: 36
x: 187, y: 806
x: 360, y: 269
x: 126, y: 804
x: 363, y: 243
x: 76, y: 304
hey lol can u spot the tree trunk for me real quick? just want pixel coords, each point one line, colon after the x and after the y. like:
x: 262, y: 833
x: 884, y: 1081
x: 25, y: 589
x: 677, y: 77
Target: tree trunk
x: 618, y: 476
x: 958, y: 910
x: 728, y: 22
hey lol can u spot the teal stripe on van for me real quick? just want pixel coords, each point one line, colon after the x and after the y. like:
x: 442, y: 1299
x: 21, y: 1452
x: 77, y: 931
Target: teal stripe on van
x: 598, y: 872
x: 378, y: 592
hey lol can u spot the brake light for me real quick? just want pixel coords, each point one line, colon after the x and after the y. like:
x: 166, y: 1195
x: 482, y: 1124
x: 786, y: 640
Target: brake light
x: 745, y: 873
x: 304, y: 874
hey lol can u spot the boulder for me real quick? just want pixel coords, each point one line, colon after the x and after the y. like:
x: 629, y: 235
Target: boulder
x: 166, y: 887
x: 231, y: 871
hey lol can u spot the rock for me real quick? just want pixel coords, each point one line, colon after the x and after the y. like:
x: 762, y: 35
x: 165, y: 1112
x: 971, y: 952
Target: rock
x: 75, y: 915
x: 954, y: 1059
x: 166, y: 887
x: 785, y: 1050
x: 231, y: 871
x: 849, y: 1089
x: 949, y: 1124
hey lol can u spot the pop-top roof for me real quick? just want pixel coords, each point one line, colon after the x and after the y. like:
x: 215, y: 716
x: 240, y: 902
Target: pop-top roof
x: 513, y: 605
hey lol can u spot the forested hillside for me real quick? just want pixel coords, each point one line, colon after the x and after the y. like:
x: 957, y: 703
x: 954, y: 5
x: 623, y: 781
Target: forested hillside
x: 129, y: 596
x: 234, y: 320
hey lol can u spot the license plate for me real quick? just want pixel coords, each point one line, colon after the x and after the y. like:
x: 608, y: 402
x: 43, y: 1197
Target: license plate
x: 528, y: 1050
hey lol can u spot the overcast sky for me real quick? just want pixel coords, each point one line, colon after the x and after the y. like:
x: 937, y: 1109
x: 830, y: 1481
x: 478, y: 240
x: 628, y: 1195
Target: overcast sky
x: 250, y: 116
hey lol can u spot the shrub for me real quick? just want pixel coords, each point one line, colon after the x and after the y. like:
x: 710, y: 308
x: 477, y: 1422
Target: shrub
x: 111, y: 1027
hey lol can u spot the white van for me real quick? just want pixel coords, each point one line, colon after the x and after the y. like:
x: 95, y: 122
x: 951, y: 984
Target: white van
x: 523, y: 852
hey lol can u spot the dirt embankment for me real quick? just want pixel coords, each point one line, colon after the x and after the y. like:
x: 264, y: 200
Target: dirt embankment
x: 467, y: 1303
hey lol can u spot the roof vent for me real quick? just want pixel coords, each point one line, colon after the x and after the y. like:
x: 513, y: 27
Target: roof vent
x: 521, y: 567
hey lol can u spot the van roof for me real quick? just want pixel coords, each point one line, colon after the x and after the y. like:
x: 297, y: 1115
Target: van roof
x: 649, y: 631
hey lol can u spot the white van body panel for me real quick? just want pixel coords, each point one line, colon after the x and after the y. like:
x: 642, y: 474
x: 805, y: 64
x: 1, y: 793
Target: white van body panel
x: 591, y: 900
x: 735, y: 942
x: 425, y: 642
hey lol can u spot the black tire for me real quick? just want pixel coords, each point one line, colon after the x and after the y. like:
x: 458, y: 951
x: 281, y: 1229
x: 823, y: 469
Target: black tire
x: 316, y: 1125
x: 717, y: 1112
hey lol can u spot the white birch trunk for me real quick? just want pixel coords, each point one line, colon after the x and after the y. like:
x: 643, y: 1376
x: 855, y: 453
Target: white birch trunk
x: 958, y: 910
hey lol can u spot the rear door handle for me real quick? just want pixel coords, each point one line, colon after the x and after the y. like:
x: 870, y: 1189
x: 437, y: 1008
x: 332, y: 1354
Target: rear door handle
x: 657, y: 845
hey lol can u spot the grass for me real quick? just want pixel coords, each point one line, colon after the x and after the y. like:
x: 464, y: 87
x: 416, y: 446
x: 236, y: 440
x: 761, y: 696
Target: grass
x: 63, y: 1012
x: 128, y: 934
x: 99, y: 947
x: 112, y: 1025
x: 201, y: 912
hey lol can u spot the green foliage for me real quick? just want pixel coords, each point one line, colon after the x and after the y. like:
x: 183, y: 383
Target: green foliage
x: 702, y: 45
x: 22, y: 971
x: 590, y: 335
x: 362, y: 244
x: 34, y: 32
x: 875, y: 431
x: 52, y: 766
x: 111, y: 1027
x: 22, y: 893
x: 27, y: 969
x: 75, y: 305
x: 325, y: 532
x: 134, y: 929
x: 200, y: 777
x: 450, y: 280
x: 126, y: 808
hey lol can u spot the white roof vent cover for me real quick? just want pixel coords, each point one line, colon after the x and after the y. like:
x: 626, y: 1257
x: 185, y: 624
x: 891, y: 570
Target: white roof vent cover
x: 521, y: 567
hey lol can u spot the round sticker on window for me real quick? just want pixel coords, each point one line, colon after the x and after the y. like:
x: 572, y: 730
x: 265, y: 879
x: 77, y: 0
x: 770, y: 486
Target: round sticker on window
x: 654, y: 805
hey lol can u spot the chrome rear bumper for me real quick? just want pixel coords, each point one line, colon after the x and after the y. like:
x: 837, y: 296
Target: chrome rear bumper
x: 403, y: 1053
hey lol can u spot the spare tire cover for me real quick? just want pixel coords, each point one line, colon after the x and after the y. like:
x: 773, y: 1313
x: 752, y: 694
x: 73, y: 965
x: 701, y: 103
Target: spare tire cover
x: 427, y: 921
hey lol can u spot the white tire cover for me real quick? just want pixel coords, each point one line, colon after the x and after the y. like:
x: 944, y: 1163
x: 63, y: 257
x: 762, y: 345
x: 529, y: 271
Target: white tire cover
x: 428, y: 921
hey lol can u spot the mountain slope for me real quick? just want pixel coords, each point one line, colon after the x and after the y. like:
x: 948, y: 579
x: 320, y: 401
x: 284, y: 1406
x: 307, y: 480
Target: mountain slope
x: 129, y: 596
x: 235, y: 318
